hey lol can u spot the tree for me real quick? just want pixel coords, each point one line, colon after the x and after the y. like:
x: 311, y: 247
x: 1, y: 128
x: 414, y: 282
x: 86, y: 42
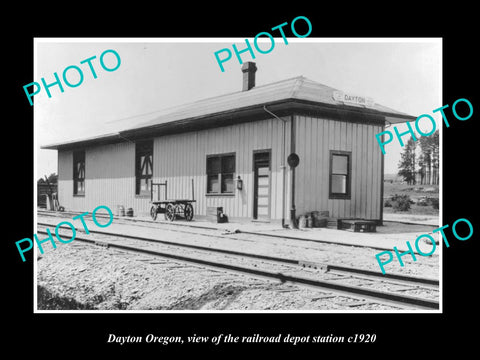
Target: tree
x: 406, y: 166
x: 52, y: 179
x: 426, y: 159
x: 435, y: 158
x: 429, y: 158
x: 421, y: 170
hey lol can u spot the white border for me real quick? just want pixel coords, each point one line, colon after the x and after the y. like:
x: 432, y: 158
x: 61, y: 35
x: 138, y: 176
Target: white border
x: 237, y: 39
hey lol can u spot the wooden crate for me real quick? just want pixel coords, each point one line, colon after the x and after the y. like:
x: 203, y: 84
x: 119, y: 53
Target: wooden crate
x: 357, y: 225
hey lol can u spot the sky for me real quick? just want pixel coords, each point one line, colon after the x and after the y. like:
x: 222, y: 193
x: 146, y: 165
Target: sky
x: 154, y: 74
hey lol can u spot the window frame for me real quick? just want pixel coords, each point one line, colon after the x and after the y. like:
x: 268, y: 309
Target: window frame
x: 143, y: 148
x: 78, y: 156
x: 220, y: 174
x: 348, y: 193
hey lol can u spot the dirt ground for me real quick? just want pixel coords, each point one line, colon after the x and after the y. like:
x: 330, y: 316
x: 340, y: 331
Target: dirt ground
x: 78, y: 277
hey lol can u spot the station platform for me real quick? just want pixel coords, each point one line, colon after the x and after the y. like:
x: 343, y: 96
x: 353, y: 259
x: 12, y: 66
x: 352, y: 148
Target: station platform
x: 395, y: 232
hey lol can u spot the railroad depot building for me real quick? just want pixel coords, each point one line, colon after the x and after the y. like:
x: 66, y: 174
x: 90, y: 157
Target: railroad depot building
x: 235, y: 148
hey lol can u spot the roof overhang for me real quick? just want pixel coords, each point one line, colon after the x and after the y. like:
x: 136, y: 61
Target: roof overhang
x: 111, y: 138
x: 396, y: 119
x: 256, y: 112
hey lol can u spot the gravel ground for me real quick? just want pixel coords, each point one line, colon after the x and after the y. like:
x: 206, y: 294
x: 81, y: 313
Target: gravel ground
x: 83, y: 277
x: 80, y: 276
x: 346, y: 255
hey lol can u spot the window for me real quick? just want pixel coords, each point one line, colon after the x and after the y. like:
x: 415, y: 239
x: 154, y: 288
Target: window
x: 79, y: 172
x: 143, y: 167
x: 220, y: 174
x: 340, y: 173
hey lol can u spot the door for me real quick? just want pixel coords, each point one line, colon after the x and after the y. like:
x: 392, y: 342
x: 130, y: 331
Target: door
x: 261, y: 192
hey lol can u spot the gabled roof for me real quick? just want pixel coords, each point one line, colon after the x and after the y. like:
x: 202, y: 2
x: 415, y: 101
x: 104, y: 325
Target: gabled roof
x: 297, y: 89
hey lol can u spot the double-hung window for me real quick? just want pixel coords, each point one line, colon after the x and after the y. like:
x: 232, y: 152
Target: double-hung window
x: 79, y: 172
x: 220, y: 174
x: 340, y: 174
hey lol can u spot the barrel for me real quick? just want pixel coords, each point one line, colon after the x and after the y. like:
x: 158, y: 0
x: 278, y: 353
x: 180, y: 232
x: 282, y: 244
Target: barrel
x: 302, y: 222
x: 130, y: 212
x: 120, y: 210
x: 309, y: 221
x: 315, y: 215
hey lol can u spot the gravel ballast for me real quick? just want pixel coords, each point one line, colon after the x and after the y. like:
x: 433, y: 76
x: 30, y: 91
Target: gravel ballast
x: 83, y: 277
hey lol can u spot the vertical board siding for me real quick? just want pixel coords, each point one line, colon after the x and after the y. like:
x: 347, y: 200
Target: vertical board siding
x: 181, y: 157
x: 178, y: 158
x: 65, y: 179
x: 314, y: 139
x: 110, y: 179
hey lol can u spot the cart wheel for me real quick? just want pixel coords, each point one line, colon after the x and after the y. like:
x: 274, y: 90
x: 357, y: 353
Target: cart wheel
x: 178, y: 209
x: 188, y: 212
x: 170, y: 212
x: 153, y: 212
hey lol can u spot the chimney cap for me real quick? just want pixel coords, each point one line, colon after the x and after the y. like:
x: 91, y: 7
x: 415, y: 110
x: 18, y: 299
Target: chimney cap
x: 248, y: 69
x: 249, y: 66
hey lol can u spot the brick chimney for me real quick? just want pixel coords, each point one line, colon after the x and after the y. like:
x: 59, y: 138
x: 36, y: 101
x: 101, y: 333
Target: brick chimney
x: 249, y: 68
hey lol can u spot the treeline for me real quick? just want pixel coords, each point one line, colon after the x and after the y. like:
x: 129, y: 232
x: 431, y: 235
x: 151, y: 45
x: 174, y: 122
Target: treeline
x: 52, y: 179
x: 420, y: 160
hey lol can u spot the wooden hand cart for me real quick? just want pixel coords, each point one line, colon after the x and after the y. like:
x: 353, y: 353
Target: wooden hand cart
x: 172, y: 208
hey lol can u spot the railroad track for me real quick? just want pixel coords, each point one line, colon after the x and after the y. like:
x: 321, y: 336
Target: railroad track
x: 209, y: 231
x: 391, y: 289
x: 338, y: 251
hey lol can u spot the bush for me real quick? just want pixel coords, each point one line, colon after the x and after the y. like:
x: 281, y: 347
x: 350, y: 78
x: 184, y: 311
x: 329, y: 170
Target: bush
x: 387, y: 203
x: 434, y: 202
x: 401, y: 202
x: 423, y: 202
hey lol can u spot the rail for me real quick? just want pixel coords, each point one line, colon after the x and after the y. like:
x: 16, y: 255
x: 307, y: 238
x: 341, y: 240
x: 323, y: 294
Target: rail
x: 396, y: 299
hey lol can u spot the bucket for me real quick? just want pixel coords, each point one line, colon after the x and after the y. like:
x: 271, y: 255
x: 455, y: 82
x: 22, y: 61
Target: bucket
x: 315, y: 215
x: 120, y: 210
x: 309, y: 221
x: 302, y: 222
x: 130, y: 212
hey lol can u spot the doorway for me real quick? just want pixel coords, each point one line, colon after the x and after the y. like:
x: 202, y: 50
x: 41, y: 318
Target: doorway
x: 261, y: 185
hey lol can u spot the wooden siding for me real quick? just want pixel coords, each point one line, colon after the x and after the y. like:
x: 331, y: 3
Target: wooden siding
x: 110, y: 179
x: 110, y: 170
x: 315, y: 138
x: 181, y: 157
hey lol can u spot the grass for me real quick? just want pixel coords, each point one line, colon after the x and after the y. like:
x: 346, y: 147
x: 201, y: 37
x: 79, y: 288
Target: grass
x: 415, y: 192
x: 414, y: 210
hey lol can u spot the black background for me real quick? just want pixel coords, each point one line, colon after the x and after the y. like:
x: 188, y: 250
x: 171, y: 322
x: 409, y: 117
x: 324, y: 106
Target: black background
x: 61, y: 335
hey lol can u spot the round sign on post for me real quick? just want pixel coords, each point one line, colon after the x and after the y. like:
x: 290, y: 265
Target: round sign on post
x: 293, y: 160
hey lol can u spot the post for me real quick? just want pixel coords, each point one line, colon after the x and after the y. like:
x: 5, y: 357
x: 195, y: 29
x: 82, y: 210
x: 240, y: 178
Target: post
x: 165, y: 189
x: 293, y: 217
x: 382, y: 179
x: 193, y: 191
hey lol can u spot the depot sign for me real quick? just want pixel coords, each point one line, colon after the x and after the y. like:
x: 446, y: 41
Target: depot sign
x: 351, y: 99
